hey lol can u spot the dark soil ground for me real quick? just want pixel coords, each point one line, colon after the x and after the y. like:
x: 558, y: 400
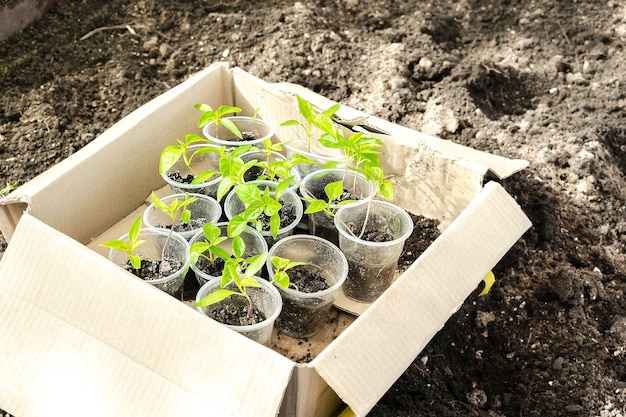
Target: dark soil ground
x: 539, y: 80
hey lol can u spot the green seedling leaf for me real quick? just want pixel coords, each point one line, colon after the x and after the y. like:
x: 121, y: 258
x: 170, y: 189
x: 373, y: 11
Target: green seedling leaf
x: 386, y: 189
x: 250, y: 282
x: 315, y: 205
x: 169, y: 156
x: 203, y: 107
x: 282, y: 186
x: 204, y: 176
x: 130, y: 246
x: 248, y: 193
x: 279, y: 263
x: 282, y: 279
x: 334, y: 190
x: 239, y: 247
x: 215, y: 297
x: 255, y: 263
x: 291, y: 123
x: 228, y: 124
x: 281, y: 266
x: 236, y: 225
x: 192, y: 139
x: 133, y: 232
x: 212, y: 233
x: 116, y: 245
x: 274, y: 224
x: 185, y: 216
x: 224, y: 110
x: 135, y: 261
x: 305, y: 108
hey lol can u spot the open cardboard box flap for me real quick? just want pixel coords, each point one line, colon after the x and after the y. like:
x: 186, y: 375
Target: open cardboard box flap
x: 83, y: 337
x: 77, y: 333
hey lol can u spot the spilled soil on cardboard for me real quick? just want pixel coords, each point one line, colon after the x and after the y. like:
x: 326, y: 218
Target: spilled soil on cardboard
x: 538, y: 80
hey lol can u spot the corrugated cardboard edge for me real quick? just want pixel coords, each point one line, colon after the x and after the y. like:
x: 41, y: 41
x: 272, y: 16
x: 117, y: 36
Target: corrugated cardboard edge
x: 44, y: 196
x: 416, y: 307
x: 498, y: 166
x: 92, y: 352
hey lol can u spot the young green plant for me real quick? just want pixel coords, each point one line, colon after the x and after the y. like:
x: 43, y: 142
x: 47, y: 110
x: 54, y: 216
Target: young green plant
x: 129, y: 247
x: 321, y: 120
x: 334, y: 192
x: 172, y: 153
x: 241, y: 272
x: 232, y: 169
x: 210, y: 247
x: 272, y: 169
x: 281, y: 266
x: 175, y: 209
x: 259, y: 202
x: 219, y: 117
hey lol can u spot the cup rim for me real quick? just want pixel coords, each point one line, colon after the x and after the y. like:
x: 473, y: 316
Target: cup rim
x: 170, y: 197
x: 323, y: 171
x: 205, y: 132
x: 400, y: 239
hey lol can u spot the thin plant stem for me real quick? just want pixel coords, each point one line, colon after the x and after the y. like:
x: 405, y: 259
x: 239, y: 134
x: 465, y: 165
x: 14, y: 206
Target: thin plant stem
x: 167, y: 241
x: 367, y: 215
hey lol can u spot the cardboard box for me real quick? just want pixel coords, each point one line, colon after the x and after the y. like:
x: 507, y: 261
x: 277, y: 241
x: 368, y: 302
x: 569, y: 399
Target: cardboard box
x: 79, y: 335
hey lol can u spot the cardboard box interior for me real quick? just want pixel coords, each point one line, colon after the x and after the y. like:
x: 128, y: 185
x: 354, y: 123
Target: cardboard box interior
x: 188, y: 360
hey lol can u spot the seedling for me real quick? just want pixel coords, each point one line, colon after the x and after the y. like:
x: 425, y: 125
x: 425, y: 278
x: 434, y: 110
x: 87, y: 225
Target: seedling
x: 241, y: 273
x: 172, y: 153
x: 177, y: 208
x: 219, y: 117
x: 129, y: 247
x: 9, y: 186
x: 333, y: 191
x: 259, y: 203
x: 209, y: 248
x: 232, y: 169
x: 322, y: 120
x: 277, y: 168
x: 281, y: 266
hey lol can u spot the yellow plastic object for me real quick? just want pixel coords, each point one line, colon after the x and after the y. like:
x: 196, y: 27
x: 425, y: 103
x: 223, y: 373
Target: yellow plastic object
x: 347, y: 412
x: 489, y: 280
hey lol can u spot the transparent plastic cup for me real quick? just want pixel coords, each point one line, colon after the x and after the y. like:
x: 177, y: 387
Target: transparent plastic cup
x: 372, y: 264
x: 266, y: 300
x: 255, y: 245
x: 321, y: 223
x: 205, y: 208
x: 151, y: 249
x: 304, y: 313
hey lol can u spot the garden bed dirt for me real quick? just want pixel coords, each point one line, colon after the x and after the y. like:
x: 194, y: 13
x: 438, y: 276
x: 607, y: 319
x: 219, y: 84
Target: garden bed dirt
x: 539, y: 80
